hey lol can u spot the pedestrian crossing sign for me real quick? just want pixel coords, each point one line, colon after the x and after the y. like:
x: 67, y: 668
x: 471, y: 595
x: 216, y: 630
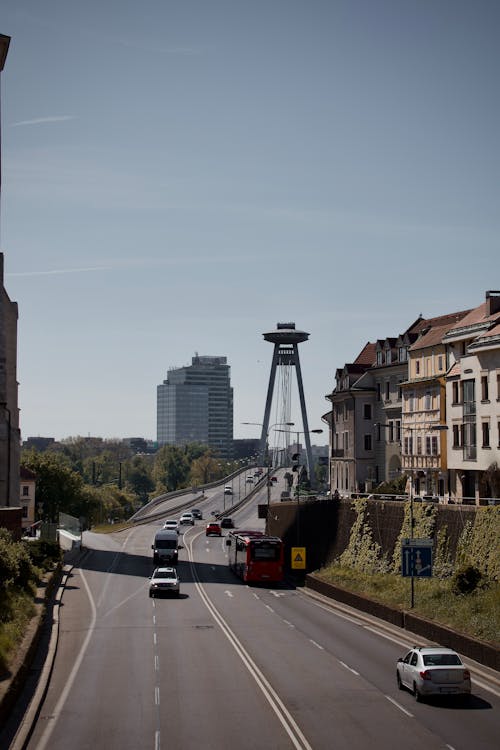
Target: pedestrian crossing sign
x: 298, y: 558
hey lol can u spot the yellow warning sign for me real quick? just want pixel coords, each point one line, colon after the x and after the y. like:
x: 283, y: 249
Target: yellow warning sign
x: 298, y: 558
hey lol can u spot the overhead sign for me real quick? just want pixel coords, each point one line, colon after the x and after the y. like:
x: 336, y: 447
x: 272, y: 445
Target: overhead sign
x: 298, y: 558
x: 416, y: 558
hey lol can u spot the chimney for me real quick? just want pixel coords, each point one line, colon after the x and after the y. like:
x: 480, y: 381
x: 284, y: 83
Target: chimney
x: 492, y: 302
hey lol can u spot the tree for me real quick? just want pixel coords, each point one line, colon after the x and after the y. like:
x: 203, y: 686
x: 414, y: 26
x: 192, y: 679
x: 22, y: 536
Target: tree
x: 139, y: 479
x: 58, y: 487
x: 170, y: 469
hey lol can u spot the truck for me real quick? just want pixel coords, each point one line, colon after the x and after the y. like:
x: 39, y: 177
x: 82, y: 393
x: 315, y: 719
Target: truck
x: 165, y: 547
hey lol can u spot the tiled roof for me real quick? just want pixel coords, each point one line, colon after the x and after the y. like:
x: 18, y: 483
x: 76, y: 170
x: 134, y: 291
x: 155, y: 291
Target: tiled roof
x: 455, y: 370
x: 367, y: 355
x: 478, y: 315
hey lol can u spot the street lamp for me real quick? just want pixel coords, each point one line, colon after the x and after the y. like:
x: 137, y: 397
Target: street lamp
x: 267, y: 457
x: 415, y: 430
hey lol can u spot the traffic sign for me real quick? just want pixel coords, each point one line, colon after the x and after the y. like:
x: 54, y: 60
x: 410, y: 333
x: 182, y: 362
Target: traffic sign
x: 416, y: 558
x: 298, y: 558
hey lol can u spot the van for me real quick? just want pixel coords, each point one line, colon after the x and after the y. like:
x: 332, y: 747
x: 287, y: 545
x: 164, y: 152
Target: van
x: 165, y: 547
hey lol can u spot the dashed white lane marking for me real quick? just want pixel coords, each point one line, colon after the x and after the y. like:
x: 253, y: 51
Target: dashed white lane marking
x: 349, y: 668
x: 395, y: 703
x: 270, y: 608
x: 290, y: 624
x: 316, y: 644
x: 157, y: 696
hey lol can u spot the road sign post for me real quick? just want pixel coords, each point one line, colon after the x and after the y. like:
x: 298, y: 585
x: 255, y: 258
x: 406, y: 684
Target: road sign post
x: 416, y: 561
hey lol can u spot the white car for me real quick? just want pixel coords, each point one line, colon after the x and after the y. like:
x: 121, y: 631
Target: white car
x: 171, y: 524
x: 433, y: 670
x: 249, y: 480
x: 164, y: 581
x: 187, y: 518
x: 228, y: 490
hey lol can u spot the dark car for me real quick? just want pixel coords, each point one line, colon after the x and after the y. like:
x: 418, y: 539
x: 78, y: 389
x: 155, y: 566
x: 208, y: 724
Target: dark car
x: 197, y: 513
x: 227, y: 523
x: 213, y: 528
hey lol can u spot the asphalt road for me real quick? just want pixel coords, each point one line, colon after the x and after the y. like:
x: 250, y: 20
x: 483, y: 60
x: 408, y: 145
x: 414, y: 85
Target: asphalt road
x: 230, y: 666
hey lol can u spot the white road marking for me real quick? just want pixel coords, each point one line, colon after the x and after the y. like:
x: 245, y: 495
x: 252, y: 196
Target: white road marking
x: 290, y: 625
x: 257, y: 596
x: 270, y: 608
x: 157, y: 663
x: 229, y: 593
x: 154, y: 638
x: 277, y: 594
x: 350, y: 668
x: 157, y: 696
x: 395, y: 703
x: 316, y: 644
x: 286, y: 719
x: 157, y: 741
x: 76, y: 666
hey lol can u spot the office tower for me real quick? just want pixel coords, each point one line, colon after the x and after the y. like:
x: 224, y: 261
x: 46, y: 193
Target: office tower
x: 195, y: 404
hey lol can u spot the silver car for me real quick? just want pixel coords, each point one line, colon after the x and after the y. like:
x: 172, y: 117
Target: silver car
x: 164, y: 581
x: 433, y: 670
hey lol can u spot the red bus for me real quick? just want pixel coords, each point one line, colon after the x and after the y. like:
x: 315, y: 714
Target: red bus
x: 255, y: 557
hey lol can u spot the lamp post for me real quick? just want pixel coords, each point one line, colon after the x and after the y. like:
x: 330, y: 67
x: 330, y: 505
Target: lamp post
x: 267, y: 457
x: 414, y: 429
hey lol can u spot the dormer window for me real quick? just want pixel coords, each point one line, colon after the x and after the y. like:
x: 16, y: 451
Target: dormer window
x: 403, y: 354
x: 380, y: 358
x: 388, y: 357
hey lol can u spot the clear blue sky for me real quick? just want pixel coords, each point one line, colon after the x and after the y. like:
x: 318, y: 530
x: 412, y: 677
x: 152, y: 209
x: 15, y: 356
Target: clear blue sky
x: 180, y: 176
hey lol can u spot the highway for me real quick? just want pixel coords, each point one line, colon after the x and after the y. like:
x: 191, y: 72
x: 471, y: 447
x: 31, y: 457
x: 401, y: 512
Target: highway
x: 229, y: 665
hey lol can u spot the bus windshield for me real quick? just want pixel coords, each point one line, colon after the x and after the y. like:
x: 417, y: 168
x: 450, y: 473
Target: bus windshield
x: 264, y: 551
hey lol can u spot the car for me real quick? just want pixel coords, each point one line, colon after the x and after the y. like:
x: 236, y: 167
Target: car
x: 197, y: 513
x: 213, y: 528
x: 164, y: 581
x: 228, y: 490
x: 171, y: 524
x: 249, y: 480
x: 274, y: 479
x: 227, y: 523
x: 187, y: 518
x: 433, y: 670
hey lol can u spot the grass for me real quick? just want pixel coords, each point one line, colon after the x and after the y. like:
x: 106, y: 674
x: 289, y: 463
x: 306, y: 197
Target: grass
x: 476, y: 615
x: 17, y: 610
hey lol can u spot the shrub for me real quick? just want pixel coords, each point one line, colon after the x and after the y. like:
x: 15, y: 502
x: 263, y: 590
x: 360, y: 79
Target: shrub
x: 466, y: 580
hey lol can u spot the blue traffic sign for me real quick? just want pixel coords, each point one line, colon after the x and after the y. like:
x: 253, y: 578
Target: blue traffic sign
x: 416, y: 559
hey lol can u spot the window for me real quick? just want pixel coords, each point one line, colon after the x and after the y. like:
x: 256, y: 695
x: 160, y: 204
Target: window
x: 417, y: 367
x: 486, y: 434
x: 380, y: 358
x: 440, y: 362
x: 387, y: 390
x: 378, y: 392
x: 408, y: 446
x: 403, y: 354
x: 388, y: 357
x: 25, y: 511
x: 400, y: 391
x: 455, y: 392
x: 456, y: 436
x: 368, y: 442
x: 345, y: 438
x: 484, y: 388
x: 398, y: 430
x: 428, y: 400
x: 367, y: 411
x: 26, y: 490
x: 419, y: 445
x: 391, y: 432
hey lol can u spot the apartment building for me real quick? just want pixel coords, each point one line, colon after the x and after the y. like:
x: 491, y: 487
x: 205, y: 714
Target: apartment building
x: 473, y: 399
x: 351, y: 424
x: 423, y: 438
x: 195, y: 404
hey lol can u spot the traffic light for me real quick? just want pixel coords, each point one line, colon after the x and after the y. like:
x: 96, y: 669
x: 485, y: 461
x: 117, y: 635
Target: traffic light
x: 295, y: 461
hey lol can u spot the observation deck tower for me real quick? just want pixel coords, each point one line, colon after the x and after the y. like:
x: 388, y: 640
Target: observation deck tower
x: 286, y: 340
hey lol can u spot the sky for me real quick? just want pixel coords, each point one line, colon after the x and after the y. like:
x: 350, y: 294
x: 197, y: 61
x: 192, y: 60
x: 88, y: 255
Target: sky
x: 179, y: 177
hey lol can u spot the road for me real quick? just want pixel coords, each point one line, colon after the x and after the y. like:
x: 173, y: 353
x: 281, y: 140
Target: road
x: 228, y: 665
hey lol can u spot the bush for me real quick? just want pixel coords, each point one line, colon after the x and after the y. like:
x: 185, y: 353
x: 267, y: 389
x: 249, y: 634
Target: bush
x: 43, y: 554
x: 466, y: 580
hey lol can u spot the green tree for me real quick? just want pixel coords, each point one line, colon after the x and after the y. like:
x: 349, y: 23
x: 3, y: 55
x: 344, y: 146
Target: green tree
x: 205, y: 469
x: 58, y: 487
x: 139, y: 480
x: 170, y: 469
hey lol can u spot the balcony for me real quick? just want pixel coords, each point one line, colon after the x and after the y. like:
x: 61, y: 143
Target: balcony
x: 338, y: 453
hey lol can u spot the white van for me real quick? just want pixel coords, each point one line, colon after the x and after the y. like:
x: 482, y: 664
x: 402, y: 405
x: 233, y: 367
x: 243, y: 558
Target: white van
x: 165, y: 547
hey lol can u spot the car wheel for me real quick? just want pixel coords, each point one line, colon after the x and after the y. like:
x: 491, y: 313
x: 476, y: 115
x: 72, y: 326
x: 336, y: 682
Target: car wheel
x: 400, y: 684
x: 417, y: 694
x: 151, y: 595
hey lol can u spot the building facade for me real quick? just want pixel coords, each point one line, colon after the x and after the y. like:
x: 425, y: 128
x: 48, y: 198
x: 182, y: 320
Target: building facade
x: 195, y: 404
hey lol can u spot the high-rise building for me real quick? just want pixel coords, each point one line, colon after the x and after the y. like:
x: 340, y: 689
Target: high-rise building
x: 195, y: 404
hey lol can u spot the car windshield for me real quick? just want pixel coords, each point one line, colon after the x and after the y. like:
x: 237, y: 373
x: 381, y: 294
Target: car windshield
x: 163, y: 574
x: 166, y: 544
x: 441, y: 660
